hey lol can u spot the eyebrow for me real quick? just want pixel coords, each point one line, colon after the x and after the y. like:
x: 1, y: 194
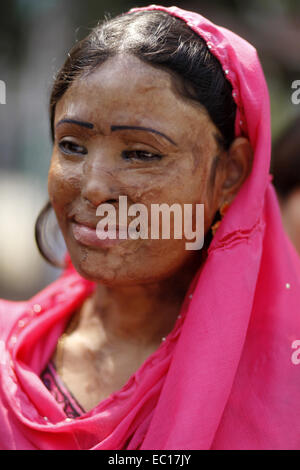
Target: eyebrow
x: 89, y: 125
x: 138, y: 128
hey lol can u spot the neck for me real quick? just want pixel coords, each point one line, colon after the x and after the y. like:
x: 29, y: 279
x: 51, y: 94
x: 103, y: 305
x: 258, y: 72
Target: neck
x: 141, y: 314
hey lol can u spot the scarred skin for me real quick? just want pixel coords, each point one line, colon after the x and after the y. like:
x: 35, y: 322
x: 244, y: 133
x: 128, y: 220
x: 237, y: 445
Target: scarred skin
x: 140, y: 283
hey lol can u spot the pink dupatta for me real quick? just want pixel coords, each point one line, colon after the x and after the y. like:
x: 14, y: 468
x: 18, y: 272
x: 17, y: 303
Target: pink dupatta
x: 228, y: 375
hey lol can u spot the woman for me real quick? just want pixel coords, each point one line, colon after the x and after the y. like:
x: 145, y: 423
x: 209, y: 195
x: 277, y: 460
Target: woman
x: 147, y: 344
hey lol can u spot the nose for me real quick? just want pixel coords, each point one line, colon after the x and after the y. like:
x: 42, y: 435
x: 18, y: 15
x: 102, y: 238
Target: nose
x: 99, y: 184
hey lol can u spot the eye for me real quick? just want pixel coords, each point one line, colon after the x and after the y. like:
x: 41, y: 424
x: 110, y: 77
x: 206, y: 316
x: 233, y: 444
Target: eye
x: 140, y: 155
x: 70, y: 148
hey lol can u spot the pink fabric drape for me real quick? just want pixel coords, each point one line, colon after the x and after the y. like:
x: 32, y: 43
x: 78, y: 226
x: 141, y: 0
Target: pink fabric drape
x: 225, y: 377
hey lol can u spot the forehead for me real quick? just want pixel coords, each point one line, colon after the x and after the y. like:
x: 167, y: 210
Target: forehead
x: 126, y: 90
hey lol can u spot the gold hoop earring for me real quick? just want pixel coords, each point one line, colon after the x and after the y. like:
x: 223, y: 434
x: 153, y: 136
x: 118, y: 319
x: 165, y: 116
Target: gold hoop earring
x: 223, y: 209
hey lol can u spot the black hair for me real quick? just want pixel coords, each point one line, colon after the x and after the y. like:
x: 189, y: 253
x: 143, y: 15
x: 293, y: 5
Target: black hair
x: 160, y: 39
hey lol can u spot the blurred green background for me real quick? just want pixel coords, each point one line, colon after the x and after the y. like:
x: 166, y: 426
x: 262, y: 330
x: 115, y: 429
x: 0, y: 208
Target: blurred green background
x: 35, y: 37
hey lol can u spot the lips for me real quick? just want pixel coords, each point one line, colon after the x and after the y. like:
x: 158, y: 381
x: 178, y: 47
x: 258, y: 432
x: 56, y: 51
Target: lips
x: 85, y: 233
x: 89, y: 224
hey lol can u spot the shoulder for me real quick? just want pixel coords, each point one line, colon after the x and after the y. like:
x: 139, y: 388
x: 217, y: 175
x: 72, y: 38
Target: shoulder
x: 11, y: 311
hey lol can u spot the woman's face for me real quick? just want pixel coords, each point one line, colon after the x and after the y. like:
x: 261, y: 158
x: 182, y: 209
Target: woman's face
x: 165, y: 153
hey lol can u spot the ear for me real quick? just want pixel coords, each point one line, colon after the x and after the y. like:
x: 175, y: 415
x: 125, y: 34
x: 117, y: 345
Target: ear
x: 237, y: 166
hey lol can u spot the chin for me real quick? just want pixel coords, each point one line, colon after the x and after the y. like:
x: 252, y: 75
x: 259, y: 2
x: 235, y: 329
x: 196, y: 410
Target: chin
x: 94, y: 266
x: 115, y: 267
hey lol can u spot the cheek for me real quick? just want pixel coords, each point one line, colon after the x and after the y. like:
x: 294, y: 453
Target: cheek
x: 168, y: 184
x: 179, y: 182
x: 174, y: 184
x: 63, y: 184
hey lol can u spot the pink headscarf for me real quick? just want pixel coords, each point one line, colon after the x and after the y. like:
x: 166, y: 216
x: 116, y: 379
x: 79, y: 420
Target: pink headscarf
x: 228, y: 375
